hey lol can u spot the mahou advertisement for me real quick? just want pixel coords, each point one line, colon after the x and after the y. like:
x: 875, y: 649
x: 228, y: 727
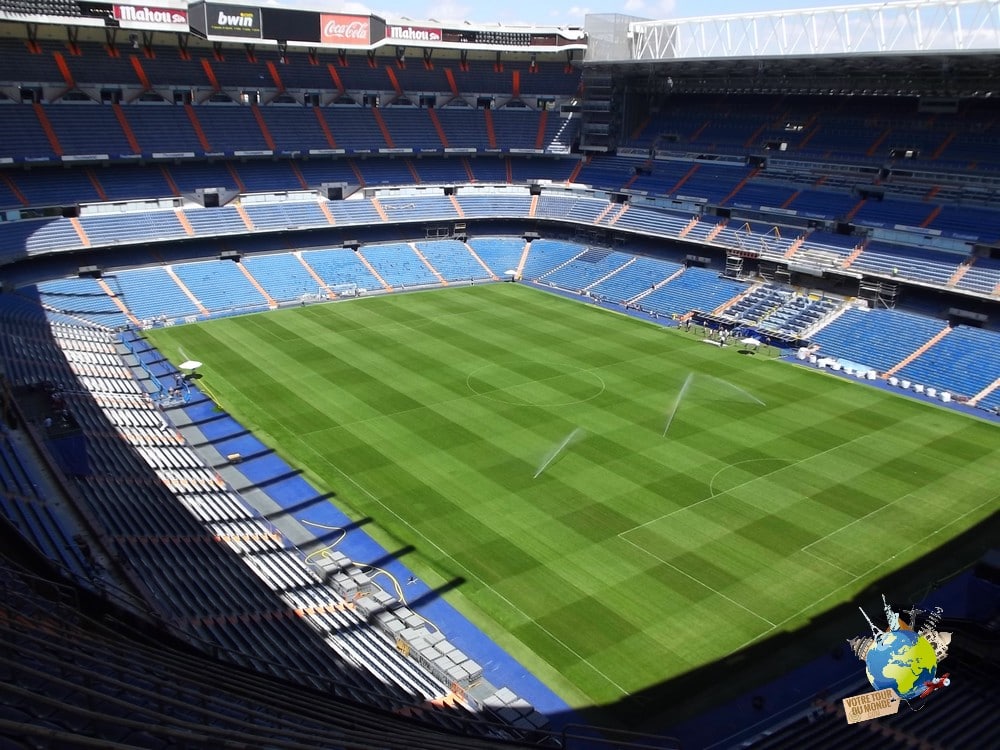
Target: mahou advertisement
x: 414, y: 33
x: 345, y: 31
x: 168, y: 19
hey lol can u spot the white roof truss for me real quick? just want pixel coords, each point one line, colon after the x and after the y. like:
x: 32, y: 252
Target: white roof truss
x: 889, y: 27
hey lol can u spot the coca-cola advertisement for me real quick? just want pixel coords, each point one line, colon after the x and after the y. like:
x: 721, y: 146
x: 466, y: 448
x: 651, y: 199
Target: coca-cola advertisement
x: 345, y: 31
x: 413, y: 33
x: 149, y: 17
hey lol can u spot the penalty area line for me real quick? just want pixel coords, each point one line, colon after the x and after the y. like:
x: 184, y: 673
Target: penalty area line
x: 789, y: 464
x: 849, y: 524
x: 823, y: 560
x: 700, y: 583
x: 470, y: 573
x: 874, y: 567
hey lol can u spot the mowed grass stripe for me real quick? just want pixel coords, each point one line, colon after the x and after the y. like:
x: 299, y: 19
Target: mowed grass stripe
x: 431, y: 412
x: 773, y: 514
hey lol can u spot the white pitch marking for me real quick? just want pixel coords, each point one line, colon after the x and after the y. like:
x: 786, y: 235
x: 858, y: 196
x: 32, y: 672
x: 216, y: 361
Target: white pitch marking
x: 744, y: 484
x: 699, y: 582
x: 471, y: 574
x: 823, y: 560
x: 711, y: 483
x: 856, y: 520
x: 872, y: 568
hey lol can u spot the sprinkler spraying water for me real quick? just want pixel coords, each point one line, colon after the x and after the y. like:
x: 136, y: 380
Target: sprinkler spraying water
x: 737, y: 389
x: 677, y: 402
x: 573, y: 437
x: 689, y: 380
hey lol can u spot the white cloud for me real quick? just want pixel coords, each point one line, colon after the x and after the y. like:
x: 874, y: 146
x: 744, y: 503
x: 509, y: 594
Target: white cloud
x: 348, y: 6
x: 573, y: 14
x: 665, y: 8
x: 448, y: 10
x: 655, y: 9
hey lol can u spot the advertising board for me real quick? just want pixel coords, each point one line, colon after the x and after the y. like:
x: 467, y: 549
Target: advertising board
x: 345, y: 30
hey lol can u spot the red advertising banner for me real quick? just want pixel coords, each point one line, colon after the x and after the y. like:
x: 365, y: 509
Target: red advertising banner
x: 344, y: 30
x: 414, y: 33
x: 167, y: 18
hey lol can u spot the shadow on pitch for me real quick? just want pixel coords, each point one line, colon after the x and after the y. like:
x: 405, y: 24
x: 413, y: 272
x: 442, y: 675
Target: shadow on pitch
x: 743, y: 675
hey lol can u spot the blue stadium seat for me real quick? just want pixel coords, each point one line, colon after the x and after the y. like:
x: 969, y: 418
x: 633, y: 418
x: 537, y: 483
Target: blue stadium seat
x: 452, y: 260
x: 637, y: 277
x: 340, y: 268
x: 916, y: 263
x: 286, y: 215
x: 399, y: 265
x: 354, y: 212
x: 282, y: 275
x: 215, y: 221
x: 220, y: 286
x: 81, y: 297
x: 150, y: 293
x: 546, y: 255
x: 586, y: 269
x: 23, y: 134
x: 494, y: 204
x: 132, y: 227
x: 695, y: 289
x: 87, y: 129
x: 964, y: 362
x: 501, y: 254
x: 37, y: 236
x: 879, y: 339
x: 49, y: 186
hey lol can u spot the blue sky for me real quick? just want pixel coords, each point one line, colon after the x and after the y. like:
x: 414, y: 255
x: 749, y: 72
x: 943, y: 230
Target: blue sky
x: 548, y: 12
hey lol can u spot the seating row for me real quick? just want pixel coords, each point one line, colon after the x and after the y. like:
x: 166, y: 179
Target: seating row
x: 880, y: 339
x: 103, y: 132
x: 170, y: 521
x: 233, y: 67
x: 773, y: 308
x: 88, y: 679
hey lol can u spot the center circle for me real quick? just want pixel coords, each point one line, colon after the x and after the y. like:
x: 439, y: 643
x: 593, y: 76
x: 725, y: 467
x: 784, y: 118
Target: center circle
x: 745, y: 471
x: 532, y: 383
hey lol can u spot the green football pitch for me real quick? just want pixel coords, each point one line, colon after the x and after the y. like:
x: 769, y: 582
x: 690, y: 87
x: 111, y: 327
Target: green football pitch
x: 622, y: 503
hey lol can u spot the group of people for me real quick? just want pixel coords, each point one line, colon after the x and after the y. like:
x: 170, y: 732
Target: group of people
x: 721, y: 335
x: 177, y: 389
x: 58, y: 412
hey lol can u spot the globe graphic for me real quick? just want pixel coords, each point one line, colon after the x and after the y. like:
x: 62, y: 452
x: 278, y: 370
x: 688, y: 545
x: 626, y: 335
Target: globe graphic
x: 901, y: 660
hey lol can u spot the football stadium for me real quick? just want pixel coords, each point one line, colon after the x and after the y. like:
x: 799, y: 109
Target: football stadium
x: 372, y: 382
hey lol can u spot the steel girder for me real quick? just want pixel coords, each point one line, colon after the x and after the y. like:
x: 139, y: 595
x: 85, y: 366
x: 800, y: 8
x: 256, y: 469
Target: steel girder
x: 912, y: 26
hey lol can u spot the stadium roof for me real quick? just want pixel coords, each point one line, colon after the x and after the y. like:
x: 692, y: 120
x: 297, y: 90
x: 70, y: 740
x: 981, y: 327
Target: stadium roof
x: 912, y: 26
